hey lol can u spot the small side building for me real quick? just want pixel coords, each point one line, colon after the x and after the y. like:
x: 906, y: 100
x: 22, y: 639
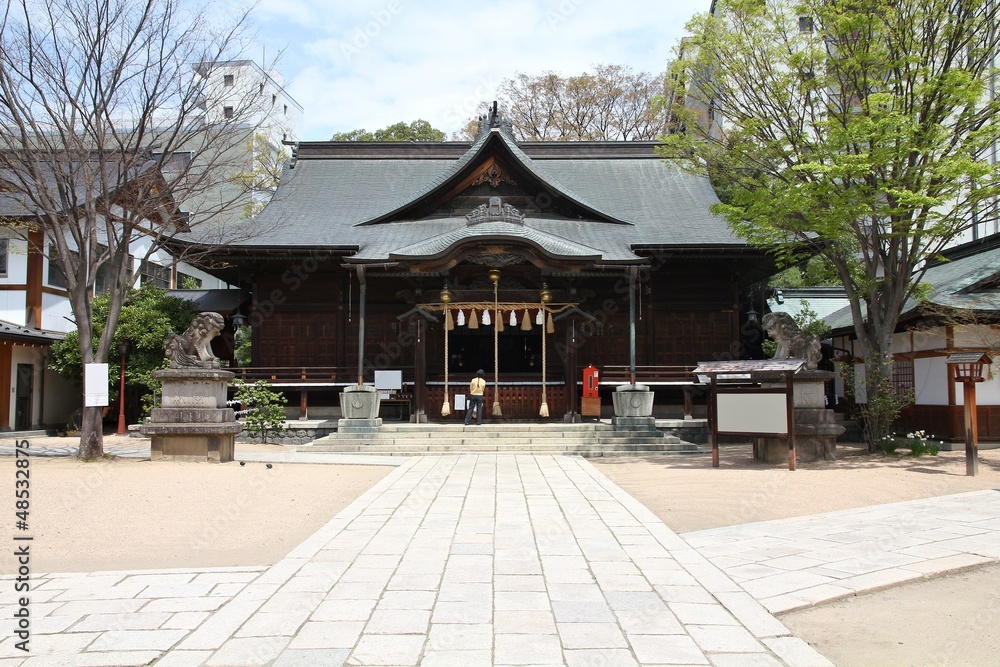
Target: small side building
x: 961, y: 314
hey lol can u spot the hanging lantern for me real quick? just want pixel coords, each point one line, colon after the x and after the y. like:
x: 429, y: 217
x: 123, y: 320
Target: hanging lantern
x: 526, y: 321
x: 550, y: 326
x: 540, y: 317
x: 486, y: 318
x: 473, y: 319
x: 461, y: 318
x: 513, y: 318
x: 449, y: 324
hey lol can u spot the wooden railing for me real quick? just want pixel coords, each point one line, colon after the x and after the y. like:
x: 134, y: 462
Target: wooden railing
x: 299, y: 374
x: 648, y: 374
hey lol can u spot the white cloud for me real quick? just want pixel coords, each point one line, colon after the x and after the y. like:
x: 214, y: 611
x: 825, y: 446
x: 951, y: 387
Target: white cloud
x: 372, y: 63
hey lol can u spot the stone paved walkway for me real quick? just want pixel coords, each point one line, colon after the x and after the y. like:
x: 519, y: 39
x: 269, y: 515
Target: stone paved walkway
x: 792, y: 563
x: 468, y: 559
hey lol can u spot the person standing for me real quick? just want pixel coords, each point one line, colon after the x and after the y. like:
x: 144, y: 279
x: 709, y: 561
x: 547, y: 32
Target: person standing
x: 476, y: 390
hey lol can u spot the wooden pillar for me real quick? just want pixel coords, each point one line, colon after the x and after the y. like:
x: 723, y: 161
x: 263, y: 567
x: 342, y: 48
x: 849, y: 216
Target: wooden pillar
x: 304, y: 404
x: 6, y: 384
x: 33, y: 295
x: 572, y: 371
x: 362, y: 286
x: 420, y: 372
x: 971, y: 430
x: 632, y: 276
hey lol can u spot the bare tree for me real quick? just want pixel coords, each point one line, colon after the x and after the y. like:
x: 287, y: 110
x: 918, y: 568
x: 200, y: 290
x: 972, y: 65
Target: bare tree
x: 106, y: 134
x: 610, y: 103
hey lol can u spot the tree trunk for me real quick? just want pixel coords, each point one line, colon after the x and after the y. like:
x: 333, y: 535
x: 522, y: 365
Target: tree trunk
x: 91, y: 433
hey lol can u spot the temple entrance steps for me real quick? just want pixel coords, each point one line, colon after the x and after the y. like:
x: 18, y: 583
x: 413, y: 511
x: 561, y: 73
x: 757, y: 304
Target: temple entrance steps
x: 587, y: 439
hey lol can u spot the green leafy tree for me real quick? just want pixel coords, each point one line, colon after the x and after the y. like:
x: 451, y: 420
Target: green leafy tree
x: 147, y: 316
x: 262, y: 413
x: 244, y: 346
x: 857, y: 131
x: 418, y: 130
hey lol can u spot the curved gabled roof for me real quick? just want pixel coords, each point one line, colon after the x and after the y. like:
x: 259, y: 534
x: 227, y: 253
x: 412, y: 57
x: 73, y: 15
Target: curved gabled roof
x: 550, y: 244
x: 477, y: 153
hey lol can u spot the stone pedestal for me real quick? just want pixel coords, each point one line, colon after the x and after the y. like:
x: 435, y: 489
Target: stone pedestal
x: 359, y: 404
x: 193, y: 423
x: 816, y: 430
x: 633, y: 408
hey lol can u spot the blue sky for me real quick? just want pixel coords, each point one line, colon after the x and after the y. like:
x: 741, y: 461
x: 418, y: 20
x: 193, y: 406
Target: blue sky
x: 371, y: 63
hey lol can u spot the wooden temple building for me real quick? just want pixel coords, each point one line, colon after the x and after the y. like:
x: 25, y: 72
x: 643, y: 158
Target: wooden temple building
x: 439, y: 259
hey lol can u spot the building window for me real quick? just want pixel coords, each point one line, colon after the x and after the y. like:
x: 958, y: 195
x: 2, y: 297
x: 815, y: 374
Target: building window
x: 185, y: 281
x: 274, y: 98
x: 56, y: 277
x: 227, y: 112
x: 228, y: 80
x: 902, y: 378
x: 286, y: 109
x: 261, y: 91
x: 155, y: 274
x: 805, y: 24
x: 3, y: 257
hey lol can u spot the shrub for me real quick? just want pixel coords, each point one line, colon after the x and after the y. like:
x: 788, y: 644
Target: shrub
x: 264, y: 413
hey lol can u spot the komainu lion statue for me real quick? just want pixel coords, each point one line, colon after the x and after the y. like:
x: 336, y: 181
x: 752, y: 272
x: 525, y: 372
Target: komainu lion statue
x: 191, y: 349
x: 792, y: 343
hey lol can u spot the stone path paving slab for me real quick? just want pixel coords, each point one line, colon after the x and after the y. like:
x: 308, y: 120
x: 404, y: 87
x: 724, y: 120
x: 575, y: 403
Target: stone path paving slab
x: 837, y: 554
x: 468, y: 559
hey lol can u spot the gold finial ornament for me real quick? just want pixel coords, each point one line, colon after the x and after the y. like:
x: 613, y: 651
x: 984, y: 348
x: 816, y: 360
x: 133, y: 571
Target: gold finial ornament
x: 494, y: 275
x: 546, y: 294
x: 445, y: 294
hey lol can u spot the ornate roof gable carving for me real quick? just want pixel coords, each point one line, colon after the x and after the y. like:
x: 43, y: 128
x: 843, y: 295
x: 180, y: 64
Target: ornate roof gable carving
x: 495, y: 211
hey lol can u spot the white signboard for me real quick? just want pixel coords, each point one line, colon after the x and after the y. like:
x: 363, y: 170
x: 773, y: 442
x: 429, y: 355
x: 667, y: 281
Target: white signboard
x: 752, y: 413
x: 392, y: 380
x: 95, y: 385
x: 459, y: 401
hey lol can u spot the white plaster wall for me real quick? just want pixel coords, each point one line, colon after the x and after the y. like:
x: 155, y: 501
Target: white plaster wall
x: 207, y: 281
x: 17, y: 262
x: 33, y: 357
x: 12, y: 306
x: 930, y: 380
x: 933, y: 339
x: 57, y: 315
x: 976, y: 336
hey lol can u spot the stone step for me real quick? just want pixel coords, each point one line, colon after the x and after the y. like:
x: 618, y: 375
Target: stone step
x: 497, y: 428
x: 539, y: 439
x: 409, y: 449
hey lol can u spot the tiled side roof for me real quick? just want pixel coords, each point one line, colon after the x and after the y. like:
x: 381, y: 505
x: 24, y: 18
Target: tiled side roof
x: 952, y: 284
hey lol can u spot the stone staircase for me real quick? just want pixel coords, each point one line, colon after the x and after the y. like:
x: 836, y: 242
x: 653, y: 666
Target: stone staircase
x: 587, y: 439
